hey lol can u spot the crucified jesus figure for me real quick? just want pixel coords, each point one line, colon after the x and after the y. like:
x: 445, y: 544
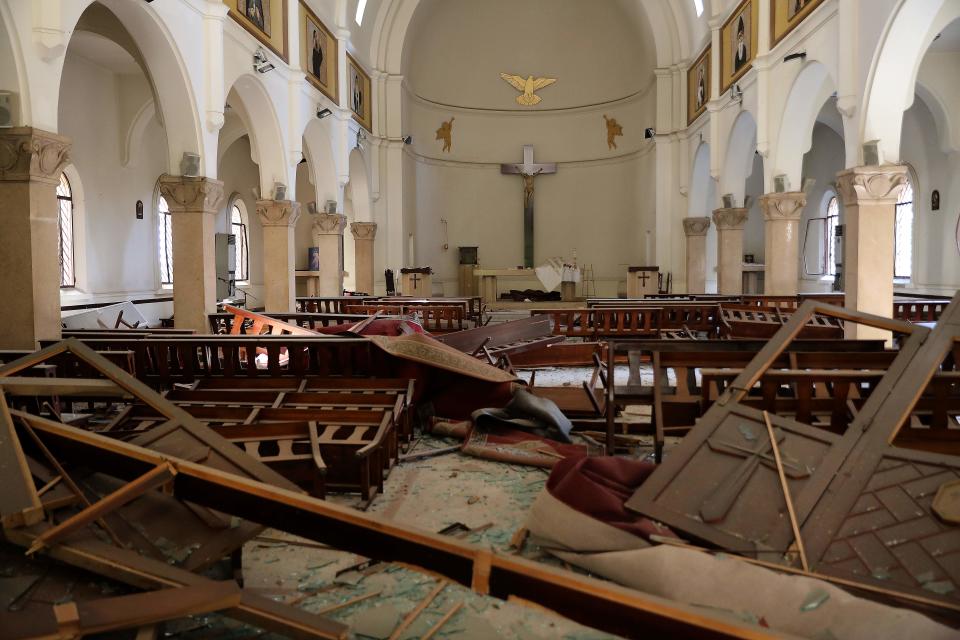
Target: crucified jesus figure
x: 528, y: 186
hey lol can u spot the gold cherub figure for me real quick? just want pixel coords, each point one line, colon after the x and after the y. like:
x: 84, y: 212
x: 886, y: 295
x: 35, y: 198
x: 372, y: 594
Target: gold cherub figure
x: 614, y: 129
x: 445, y: 133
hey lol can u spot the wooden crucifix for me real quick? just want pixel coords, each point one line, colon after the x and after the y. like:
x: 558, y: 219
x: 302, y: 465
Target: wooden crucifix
x: 528, y: 170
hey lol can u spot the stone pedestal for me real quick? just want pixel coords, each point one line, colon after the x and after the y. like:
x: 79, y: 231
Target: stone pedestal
x: 328, y: 238
x: 31, y: 162
x: 416, y: 282
x: 730, y: 223
x: 193, y: 204
x: 278, y: 219
x: 363, y: 236
x: 781, y: 241
x: 869, y: 196
x: 696, y: 231
x: 643, y: 281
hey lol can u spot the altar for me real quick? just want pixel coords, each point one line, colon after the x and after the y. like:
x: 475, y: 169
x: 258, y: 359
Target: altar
x: 488, y: 280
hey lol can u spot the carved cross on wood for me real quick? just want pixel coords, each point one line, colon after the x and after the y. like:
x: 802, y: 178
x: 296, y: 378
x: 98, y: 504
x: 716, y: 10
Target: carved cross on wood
x: 716, y: 505
x: 644, y: 276
x: 415, y: 280
x: 528, y: 170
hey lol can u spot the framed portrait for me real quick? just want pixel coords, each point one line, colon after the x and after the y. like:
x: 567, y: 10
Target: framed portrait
x: 698, y: 86
x: 358, y: 85
x: 318, y: 53
x: 787, y: 14
x: 265, y: 19
x: 738, y: 42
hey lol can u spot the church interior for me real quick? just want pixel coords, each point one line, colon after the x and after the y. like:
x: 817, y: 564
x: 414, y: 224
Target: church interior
x: 517, y: 319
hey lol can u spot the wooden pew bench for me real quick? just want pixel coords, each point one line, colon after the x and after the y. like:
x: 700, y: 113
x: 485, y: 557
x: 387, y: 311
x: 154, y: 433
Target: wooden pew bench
x: 223, y: 323
x: 163, y: 362
x: 505, y: 340
x: 332, y: 304
x: 680, y: 359
x: 439, y: 319
x: 606, y: 322
x: 321, y: 449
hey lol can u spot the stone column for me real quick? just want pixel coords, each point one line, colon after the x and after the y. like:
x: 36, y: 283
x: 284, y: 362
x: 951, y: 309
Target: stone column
x: 696, y: 231
x: 730, y: 224
x: 363, y: 235
x: 781, y: 241
x: 278, y: 219
x: 328, y: 237
x: 31, y: 162
x: 193, y: 203
x: 869, y: 196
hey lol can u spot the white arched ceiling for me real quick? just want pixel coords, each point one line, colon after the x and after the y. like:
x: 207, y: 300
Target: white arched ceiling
x: 360, y: 187
x: 675, y: 28
x: 167, y: 73
x: 910, y: 30
x: 249, y: 99
x: 738, y: 163
x: 812, y: 87
x: 318, y: 148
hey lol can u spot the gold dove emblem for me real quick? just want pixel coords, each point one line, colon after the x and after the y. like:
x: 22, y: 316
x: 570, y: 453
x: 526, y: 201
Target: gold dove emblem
x: 528, y: 98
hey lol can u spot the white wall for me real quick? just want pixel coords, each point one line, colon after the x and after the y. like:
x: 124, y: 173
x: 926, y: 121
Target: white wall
x: 120, y: 251
x: 822, y: 162
x: 600, y: 203
x: 935, y: 256
x: 240, y: 175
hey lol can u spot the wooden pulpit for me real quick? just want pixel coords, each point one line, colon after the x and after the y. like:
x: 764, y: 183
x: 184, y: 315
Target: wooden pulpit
x: 642, y: 281
x: 416, y: 282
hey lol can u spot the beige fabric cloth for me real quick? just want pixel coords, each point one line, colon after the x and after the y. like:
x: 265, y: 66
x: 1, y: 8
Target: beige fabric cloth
x: 722, y: 583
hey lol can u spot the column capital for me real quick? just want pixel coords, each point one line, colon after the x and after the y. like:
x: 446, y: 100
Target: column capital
x: 28, y: 154
x: 331, y: 224
x: 363, y: 230
x: 278, y: 213
x: 783, y: 206
x: 733, y: 218
x: 696, y: 226
x: 872, y: 185
x: 191, y: 194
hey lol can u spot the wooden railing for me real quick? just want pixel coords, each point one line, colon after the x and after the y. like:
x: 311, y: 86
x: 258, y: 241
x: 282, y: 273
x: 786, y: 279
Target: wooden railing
x: 591, y: 324
x: 222, y: 323
x: 161, y: 362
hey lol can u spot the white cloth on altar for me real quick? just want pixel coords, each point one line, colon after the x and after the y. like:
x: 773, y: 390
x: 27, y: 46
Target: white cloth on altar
x: 556, y: 271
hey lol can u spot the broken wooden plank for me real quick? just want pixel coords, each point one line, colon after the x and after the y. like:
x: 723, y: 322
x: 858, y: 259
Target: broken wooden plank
x: 159, y: 475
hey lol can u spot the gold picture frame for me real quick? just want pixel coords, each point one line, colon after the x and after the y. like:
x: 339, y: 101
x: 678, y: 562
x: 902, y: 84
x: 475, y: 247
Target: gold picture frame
x: 358, y: 93
x: 318, y: 53
x: 738, y: 42
x: 698, y: 85
x: 266, y: 20
x: 785, y: 15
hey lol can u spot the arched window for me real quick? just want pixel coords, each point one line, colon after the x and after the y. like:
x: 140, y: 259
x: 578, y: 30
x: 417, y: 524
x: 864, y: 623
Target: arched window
x: 165, y: 240
x: 903, y: 234
x: 68, y: 277
x: 829, y: 249
x: 238, y: 227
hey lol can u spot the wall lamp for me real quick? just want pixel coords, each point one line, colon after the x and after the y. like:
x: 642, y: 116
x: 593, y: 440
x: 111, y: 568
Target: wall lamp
x: 801, y: 55
x: 260, y: 62
x: 323, y: 113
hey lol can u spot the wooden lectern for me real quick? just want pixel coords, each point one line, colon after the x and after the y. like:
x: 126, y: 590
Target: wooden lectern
x: 416, y: 282
x: 642, y: 281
